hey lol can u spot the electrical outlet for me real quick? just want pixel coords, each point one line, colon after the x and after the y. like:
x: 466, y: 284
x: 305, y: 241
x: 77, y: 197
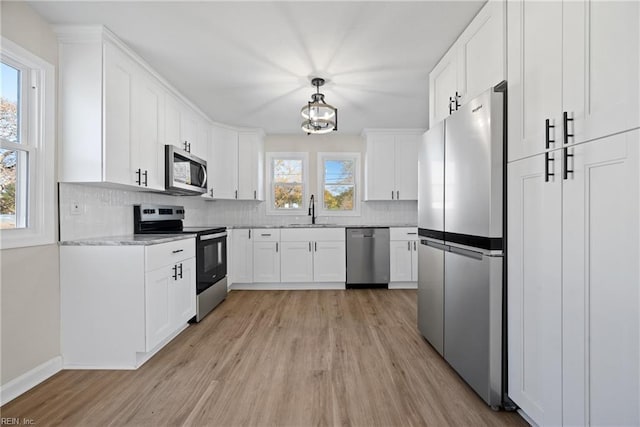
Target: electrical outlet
x: 76, y: 208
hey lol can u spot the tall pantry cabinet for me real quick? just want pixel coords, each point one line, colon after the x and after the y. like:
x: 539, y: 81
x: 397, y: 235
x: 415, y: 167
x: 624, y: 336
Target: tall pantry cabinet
x: 573, y: 211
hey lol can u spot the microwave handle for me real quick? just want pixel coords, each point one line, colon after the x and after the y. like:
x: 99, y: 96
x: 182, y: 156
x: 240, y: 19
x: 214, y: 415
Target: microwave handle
x: 204, y: 172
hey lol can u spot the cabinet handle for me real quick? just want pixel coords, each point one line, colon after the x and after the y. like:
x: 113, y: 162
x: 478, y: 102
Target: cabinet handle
x: 398, y: 195
x: 236, y: 194
x: 266, y: 234
x: 315, y: 244
x: 309, y: 246
x: 415, y: 246
x: 139, y: 173
x: 276, y: 246
x: 450, y: 105
x: 566, y: 120
x: 566, y: 156
x: 408, y: 246
x: 146, y: 175
x: 458, y: 97
x: 181, y: 270
x: 177, y: 251
x: 211, y: 192
x: 255, y: 194
x: 391, y: 194
x: 249, y: 234
x: 547, y: 128
x: 547, y: 174
x: 175, y: 272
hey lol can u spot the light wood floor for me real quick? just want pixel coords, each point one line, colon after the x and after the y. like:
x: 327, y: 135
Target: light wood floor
x: 293, y: 358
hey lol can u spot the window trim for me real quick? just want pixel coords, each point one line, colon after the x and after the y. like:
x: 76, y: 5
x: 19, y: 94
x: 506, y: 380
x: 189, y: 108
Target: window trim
x: 39, y: 141
x: 356, y: 192
x: 270, y: 156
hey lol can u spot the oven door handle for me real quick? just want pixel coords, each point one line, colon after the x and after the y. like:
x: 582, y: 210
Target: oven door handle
x: 213, y: 236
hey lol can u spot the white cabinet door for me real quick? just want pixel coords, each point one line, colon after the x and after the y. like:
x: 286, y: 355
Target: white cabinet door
x: 380, y: 168
x: 481, y: 51
x: 601, y: 49
x: 329, y: 261
x: 601, y: 296
x: 118, y: 77
x: 535, y: 289
x: 443, y: 82
x: 241, y: 261
x: 157, y: 302
x: 534, y: 56
x: 266, y: 262
x: 182, y: 294
x: 172, y: 121
x: 406, y: 166
x: 401, y: 253
x: 147, y: 116
x: 203, y: 141
x: 297, y: 262
x: 223, y: 163
x: 250, y: 166
x: 188, y: 131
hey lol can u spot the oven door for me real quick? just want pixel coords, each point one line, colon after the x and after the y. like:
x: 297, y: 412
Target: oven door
x: 211, y: 259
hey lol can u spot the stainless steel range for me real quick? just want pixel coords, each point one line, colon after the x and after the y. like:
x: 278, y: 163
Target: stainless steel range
x: 211, y: 251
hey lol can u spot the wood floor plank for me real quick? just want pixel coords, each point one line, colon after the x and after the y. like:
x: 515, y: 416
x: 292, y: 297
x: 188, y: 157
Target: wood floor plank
x: 281, y: 358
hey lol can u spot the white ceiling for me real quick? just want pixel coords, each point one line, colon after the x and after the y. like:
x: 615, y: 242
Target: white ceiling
x: 248, y: 63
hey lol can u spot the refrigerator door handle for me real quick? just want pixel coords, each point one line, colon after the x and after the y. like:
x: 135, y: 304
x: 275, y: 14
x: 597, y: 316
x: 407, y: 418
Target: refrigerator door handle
x: 466, y: 252
x: 434, y: 245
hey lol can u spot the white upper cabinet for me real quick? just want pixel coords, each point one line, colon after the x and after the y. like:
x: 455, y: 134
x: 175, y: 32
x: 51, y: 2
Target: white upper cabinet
x: 391, y: 164
x: 473, y: 64
x: 223, y: 163
x: 147, y: 118
x: 250, y: 166
x: 185, y: 129
x: 572, y: 64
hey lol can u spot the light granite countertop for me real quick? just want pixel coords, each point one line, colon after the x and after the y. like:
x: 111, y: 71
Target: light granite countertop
x: 128, y: 240
x: 321, y: 226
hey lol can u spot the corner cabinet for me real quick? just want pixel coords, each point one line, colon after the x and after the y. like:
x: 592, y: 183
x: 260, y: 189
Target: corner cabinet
x: 573, y: 275
x: 391, y: 164
x: 473, y: 64
x: 236, y: 166
x: 121, y: 304
x: 111, y: 113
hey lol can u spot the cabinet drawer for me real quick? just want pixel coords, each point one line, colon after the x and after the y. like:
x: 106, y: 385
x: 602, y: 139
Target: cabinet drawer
x: 312, y: 234
x: 403, y: 233
x: 266, y: 235
x: 164, y: 254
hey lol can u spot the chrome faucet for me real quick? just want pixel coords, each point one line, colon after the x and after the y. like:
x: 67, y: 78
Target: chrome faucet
x: 312, y: 209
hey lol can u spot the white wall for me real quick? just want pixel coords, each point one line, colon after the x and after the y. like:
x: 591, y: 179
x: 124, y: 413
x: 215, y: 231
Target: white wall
x: 30, y: 288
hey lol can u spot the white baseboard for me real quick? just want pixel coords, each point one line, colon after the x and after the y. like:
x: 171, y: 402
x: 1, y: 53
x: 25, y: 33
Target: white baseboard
x: 403, y: 285
x: 30, y: 379
x: 286, y: 286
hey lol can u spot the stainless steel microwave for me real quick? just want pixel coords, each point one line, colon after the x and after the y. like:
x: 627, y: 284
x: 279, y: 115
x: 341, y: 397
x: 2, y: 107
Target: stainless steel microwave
x: 185, y: 173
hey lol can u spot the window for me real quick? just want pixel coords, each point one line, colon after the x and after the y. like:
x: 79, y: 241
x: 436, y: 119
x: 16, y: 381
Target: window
x: 338, y: 175
x: 288, y: 183
x: 26, y: 148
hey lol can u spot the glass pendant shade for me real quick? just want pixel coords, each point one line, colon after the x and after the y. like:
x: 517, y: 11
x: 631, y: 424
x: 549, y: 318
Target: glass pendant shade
x: 319, y: 116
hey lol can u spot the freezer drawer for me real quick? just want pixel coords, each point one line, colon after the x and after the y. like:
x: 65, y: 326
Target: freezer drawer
x: 367, y: 256
x: 431, y: 293
x: 473, y: 320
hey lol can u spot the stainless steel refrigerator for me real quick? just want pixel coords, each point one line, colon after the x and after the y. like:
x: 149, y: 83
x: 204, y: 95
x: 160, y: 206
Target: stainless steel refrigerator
x: 460, y: 220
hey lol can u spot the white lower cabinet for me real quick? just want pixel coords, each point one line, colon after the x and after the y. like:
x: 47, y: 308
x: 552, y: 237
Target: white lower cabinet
x: 403, y: 251
x: 313, y: 255
x: 266, y: 255
x: 574, y: 299
x: 121, y: 304
x: 240, y: 255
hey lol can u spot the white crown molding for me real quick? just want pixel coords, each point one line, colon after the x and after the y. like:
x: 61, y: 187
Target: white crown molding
x: 394, y: 131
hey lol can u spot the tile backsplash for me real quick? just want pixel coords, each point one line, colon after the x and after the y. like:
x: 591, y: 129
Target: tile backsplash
x: 109, y: 212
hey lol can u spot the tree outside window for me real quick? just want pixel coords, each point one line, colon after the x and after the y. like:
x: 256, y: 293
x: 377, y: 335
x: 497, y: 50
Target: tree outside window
x: 287, y: 184
x: 339, y: 185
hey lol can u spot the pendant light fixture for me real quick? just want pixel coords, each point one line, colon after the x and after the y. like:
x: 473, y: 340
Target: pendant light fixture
x: 319, y: 116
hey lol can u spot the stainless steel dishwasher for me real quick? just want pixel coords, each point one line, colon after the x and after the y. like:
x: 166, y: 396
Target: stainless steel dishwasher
x: 367, y: 257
